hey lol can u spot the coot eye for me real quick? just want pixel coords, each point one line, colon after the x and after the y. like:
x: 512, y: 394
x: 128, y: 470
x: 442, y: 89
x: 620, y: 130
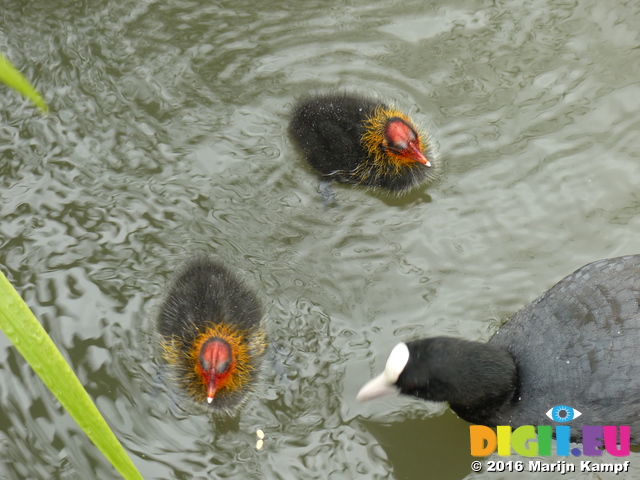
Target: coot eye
x: 563, y: 413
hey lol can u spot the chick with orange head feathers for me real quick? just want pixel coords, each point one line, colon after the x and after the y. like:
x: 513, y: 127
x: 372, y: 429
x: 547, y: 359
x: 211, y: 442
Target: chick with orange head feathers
x: 212, y: 334
x: 353, y: 139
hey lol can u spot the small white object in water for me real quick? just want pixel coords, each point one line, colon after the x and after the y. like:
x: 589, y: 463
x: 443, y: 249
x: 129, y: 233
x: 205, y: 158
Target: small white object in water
x: 260, y: 442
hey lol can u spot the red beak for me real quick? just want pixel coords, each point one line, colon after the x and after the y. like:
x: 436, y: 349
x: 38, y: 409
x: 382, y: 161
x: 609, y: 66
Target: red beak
x: 211, y: 389
x: 413, y: 152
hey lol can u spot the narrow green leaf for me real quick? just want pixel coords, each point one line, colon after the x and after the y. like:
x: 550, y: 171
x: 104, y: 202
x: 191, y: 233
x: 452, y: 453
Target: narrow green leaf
x: 35, y: 345
x: 13, y: 78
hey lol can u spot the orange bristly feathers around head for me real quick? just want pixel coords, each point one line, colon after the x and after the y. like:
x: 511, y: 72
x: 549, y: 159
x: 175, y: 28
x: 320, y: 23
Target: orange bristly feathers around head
x: 375, y: 142
x: 243, y: 350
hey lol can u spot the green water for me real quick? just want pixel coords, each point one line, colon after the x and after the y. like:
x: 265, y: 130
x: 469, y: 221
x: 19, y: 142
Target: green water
x: 168, y: 135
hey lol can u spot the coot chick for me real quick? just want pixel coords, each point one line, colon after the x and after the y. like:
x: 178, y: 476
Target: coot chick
x: 212, y: 334
x: 577, y: 345
x: 353, y: 139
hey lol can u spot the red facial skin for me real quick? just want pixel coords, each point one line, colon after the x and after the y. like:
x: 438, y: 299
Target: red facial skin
x: 403, y: 141
x: 215, y: 362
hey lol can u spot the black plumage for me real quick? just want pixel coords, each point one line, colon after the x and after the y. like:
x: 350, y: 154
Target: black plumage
x: 204, y: 291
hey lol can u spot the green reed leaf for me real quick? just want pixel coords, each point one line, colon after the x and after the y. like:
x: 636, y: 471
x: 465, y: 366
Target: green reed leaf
x: 14, y: 79
x: 32, y: 341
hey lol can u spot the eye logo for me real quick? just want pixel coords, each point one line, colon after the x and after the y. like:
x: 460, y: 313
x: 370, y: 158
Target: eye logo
x: 563, y: 413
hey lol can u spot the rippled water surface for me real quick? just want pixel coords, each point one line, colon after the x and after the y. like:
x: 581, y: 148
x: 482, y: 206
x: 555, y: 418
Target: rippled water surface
x: 168, y: 135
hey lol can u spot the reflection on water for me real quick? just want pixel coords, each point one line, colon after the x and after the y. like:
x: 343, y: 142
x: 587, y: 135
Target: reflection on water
x: 168, y: 135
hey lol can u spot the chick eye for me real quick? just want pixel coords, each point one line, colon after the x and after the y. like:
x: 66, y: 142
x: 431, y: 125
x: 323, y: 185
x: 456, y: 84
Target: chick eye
x: 398, y: 146
x: 563, y: 413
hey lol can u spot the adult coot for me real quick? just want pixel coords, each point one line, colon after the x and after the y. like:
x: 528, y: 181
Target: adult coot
x: 577, y: 345
x: 212, y: 334
x: 353, y: 139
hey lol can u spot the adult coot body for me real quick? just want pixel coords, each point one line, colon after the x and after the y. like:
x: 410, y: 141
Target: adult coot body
x: 577, y: 345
